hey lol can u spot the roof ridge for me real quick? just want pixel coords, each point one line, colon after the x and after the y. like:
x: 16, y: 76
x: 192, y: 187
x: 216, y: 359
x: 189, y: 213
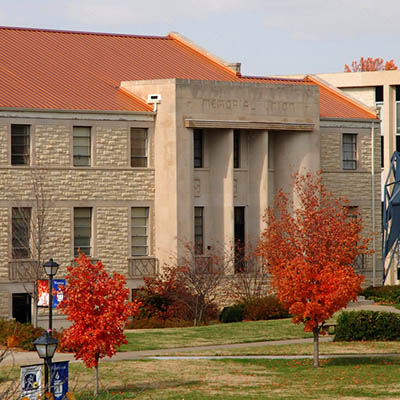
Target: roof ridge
x: 340, y: 94
x: 49, y: 30
x: 202, y: 51
x: 273, y: 78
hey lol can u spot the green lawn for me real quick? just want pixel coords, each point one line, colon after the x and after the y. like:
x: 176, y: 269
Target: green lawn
x: 239, y: 332
x: 241, y: 379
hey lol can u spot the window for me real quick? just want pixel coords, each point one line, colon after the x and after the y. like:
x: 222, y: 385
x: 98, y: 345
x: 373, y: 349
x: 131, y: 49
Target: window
x: 138, y: 147
x: 198, y: 230
x: 236, y: 149
x: 379, y: 107
x: 82, y: 146
x: 20, y: 145
x: 239, y: 234
x: 349, y: 151
x: 140, y: 231
x: 198, y: 148
x: 21, y: 232
x: 83, y: 230
x: 378, y: 94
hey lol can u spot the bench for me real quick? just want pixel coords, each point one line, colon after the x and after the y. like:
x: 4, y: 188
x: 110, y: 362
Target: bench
x: 329, y: 328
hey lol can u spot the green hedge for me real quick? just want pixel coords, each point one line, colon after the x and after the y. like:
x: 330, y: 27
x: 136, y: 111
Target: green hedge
x: 367, y: 325
x: 386, y: 294
x: 254, y: 309
x: 232, y: 314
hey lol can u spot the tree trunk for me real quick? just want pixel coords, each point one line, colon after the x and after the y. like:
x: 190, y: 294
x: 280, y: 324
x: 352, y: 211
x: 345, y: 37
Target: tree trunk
x: 96, y: 379
x: 35, y: 312
x: 316, y: 347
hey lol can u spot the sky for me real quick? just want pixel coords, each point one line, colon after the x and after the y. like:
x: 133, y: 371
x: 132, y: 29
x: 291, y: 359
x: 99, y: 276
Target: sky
x: 268, y: 37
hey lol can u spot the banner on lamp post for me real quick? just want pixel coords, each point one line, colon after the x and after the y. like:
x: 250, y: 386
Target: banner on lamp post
x: 59, y: 379
x: 43, y: 292
x: 31, y: 378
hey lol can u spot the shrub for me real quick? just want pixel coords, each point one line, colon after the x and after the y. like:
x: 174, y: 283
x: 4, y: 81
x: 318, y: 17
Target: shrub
x: 25, y: 334
x: 232, y: 313
x: 386, y: 294
x: 367, y: 325
x: 263, y: 308
x: 168, y: 299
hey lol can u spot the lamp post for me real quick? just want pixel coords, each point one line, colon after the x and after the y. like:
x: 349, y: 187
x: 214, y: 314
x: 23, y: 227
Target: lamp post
x: 46, y: 344
x: 51, y: 268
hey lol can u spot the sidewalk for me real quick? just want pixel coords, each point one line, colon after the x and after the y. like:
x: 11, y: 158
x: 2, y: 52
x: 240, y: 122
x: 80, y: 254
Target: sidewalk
x: 27, y: 358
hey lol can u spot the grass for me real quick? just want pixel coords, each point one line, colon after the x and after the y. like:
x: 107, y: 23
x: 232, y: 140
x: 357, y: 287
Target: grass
x: 329, y: 348
x: 240, y: 332
x: 240, y: 379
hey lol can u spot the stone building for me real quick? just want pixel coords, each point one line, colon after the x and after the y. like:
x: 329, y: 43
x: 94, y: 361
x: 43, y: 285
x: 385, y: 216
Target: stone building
x: 141, y: 143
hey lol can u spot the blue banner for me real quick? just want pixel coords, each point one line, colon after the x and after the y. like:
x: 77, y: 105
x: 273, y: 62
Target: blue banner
x: 59, y: 379
x: 58, y: 288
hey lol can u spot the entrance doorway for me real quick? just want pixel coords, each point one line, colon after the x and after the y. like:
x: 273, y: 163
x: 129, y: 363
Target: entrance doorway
x: 21, y: 307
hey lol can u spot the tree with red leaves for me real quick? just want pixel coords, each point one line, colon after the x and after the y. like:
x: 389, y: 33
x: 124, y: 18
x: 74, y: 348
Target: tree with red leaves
x: 371, y: 64
x: 310, y: 245
x: 97, y: 305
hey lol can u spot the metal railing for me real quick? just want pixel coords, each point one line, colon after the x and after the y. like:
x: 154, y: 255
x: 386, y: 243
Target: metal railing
x: 140, y: 267
x: 359, y: 264
x: 24, y: 270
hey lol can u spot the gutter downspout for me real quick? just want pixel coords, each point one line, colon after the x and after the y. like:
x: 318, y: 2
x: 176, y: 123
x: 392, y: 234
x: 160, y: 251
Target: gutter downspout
x: 373, y: 203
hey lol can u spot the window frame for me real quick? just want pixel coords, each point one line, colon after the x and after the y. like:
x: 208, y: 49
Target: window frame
x: 350, y: 157
x: 146, y: 227
x: 90, y: 227
x: 145, y: 155
x: 23, y: 250
x: 198, y: 237
x: 89, y: 157
x: 26, y: 154
x: 198, y: 148
x: 237, y: 149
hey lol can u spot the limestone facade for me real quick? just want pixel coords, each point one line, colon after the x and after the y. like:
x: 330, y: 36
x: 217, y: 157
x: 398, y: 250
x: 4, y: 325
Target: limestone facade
x: 275, y: 139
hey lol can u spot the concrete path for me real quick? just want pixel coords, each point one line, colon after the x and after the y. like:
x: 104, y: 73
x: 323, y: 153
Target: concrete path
x: 28, y: 358
x: 31, y: 357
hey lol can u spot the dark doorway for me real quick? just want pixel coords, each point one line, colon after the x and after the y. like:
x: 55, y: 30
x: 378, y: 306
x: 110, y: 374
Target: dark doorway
x: 239, y: 239
x: 21, y: 307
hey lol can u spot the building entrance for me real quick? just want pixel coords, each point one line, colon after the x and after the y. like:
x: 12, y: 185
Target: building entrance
x: 21, y: 307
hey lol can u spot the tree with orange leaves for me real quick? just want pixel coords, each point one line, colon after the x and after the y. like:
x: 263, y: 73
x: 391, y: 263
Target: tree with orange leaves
x: 310, y: 245
x: 371, y: 64
x: 97, y: 305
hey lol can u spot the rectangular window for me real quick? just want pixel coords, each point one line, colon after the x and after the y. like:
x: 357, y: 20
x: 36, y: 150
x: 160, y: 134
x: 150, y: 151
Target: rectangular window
x: 83, y: 230
x: 140, y: 231
x: 198, y: 148
x: 20, y: 145
x: 236, y: 149
x: 21, y: 232
x: 138, y: 147
x: 349, y: 151
x: 82, y: 146
x: 198, y: 230
x: 239, y: 234
x: 378, y: 94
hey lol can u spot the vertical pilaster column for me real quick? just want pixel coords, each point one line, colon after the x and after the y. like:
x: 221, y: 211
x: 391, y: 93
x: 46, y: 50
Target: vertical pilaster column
x: 258, y: 183
x: 221, y: 183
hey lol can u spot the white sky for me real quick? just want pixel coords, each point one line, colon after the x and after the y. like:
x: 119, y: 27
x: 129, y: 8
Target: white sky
x: 266, y: 36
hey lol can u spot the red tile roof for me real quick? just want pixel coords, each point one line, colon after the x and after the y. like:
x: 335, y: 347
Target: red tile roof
x: 335, y: 104
x: 47, y: 69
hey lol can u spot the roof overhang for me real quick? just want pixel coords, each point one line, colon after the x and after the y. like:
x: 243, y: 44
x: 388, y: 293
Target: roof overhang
x: 251, y: 125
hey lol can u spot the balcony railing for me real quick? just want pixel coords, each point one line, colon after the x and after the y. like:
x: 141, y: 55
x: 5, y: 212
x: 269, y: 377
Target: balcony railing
x: 140, y: 267
x: 25, y: 270
x: 359, y: 264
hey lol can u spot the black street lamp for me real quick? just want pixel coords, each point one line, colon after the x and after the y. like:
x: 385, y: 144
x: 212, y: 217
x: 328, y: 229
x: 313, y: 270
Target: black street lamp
x: 46, y: 344
x: 51, y: 268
